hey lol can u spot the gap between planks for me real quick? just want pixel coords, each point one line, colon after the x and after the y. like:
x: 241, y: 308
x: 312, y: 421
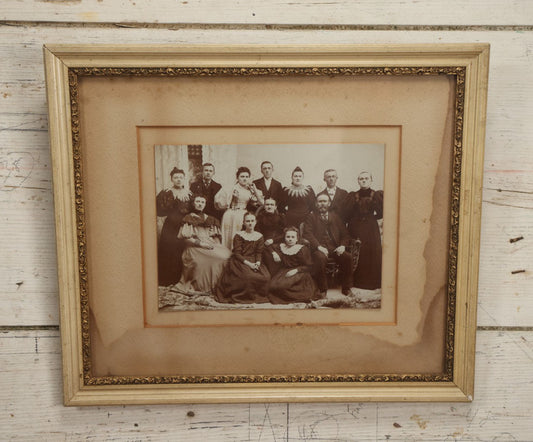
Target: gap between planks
x: 266, y: 26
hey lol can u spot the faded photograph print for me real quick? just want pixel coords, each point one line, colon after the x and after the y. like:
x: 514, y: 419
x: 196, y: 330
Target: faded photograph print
x: 285, y: 226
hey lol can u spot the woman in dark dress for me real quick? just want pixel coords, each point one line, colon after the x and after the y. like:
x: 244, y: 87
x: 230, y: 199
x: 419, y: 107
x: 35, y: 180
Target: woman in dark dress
x: 271, y: 224
x: 299, y: 199
x: 174, y: 203
x: 293, y: 282
x: 365, y: 208
x: 245, y: 278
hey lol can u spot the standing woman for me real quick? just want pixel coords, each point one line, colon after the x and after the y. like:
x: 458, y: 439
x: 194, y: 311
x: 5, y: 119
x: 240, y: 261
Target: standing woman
x: 299, y: 199
x: 365, y: 208
x: 174, y: 203
x: 245, y: 278
x: 244, y: 196
x: 293, y: 281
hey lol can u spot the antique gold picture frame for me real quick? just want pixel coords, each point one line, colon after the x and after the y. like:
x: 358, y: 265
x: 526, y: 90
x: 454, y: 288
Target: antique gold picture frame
x: 109, y: 105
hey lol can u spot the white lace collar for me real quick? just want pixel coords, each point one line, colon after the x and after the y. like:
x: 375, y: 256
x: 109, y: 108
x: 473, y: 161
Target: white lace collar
x: 181, y: 194
x: 253, y: 236
x: 293, y: 250
x: 298, y: 191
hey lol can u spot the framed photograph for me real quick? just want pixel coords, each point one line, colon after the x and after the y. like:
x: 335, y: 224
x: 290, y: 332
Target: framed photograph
x: 267, y: 224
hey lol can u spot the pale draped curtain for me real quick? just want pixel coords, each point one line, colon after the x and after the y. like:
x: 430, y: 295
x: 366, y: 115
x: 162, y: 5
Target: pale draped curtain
x: 224, y: 158
x: 166, y: 158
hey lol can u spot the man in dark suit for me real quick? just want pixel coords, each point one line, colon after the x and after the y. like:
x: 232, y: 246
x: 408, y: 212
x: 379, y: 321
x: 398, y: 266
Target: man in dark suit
x: 207, y: 187
x: 337, y: 196
x: 268, y: 185
x: 328, y: 238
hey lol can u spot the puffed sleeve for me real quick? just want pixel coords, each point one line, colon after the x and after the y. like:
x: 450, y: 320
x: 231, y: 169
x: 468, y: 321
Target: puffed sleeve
x: 352, y: 208
x: 164, y: 202
x: 186, y: 231
x: 238, y: 246
x: 221, y: 200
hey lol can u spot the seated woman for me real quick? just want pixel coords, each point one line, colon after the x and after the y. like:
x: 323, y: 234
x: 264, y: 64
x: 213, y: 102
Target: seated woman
x: 205, y: 257
x: 245, y: 278
x: 270, y: 223
x: 293, y: 282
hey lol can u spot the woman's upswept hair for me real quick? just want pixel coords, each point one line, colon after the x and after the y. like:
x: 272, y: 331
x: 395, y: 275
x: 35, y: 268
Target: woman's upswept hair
x: 241, y: 170
x: 297, y: 169
x: 175, y: 171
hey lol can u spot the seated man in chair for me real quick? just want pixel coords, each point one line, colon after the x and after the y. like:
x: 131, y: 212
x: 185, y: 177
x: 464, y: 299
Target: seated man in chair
x: 328, y: 239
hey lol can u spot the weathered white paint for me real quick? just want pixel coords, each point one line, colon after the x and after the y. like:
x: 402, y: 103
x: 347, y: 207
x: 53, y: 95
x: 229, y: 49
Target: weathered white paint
x: 30, y: 389
x: 346, y: 12
x: 31, y: 374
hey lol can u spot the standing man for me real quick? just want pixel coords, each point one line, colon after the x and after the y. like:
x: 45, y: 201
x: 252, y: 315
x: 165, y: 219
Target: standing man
x: 207, y: 187
x: 337, y: 196
x: 328, y: 238
x: 270, y: 187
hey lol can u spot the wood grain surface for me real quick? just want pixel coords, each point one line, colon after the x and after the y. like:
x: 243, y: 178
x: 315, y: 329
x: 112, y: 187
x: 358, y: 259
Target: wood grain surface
x: 32, y: 408
x: 303, y: 12
x: 30, y: 384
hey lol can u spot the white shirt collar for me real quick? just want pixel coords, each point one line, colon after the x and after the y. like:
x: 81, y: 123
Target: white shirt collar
x: 268, y: 182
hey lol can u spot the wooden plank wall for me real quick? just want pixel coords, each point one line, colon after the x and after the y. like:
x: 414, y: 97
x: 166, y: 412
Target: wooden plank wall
x: 30, y: 383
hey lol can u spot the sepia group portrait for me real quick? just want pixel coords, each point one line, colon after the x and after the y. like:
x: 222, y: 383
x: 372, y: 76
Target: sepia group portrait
x: 283, y: 233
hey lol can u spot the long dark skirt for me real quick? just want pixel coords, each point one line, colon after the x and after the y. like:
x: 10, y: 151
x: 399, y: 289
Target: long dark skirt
x: 240, y: 284
x: 169, y: 251
x: 288, y: 289
x: 367, y: 275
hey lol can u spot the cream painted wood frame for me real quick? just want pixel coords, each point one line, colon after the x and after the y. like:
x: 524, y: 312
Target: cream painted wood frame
x: 472, y: 58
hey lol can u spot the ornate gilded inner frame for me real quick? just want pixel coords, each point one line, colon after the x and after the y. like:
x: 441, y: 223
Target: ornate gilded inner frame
x: 116, y: 351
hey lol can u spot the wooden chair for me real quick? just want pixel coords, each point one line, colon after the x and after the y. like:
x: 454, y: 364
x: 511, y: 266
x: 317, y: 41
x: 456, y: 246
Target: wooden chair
x: 332, y: 268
